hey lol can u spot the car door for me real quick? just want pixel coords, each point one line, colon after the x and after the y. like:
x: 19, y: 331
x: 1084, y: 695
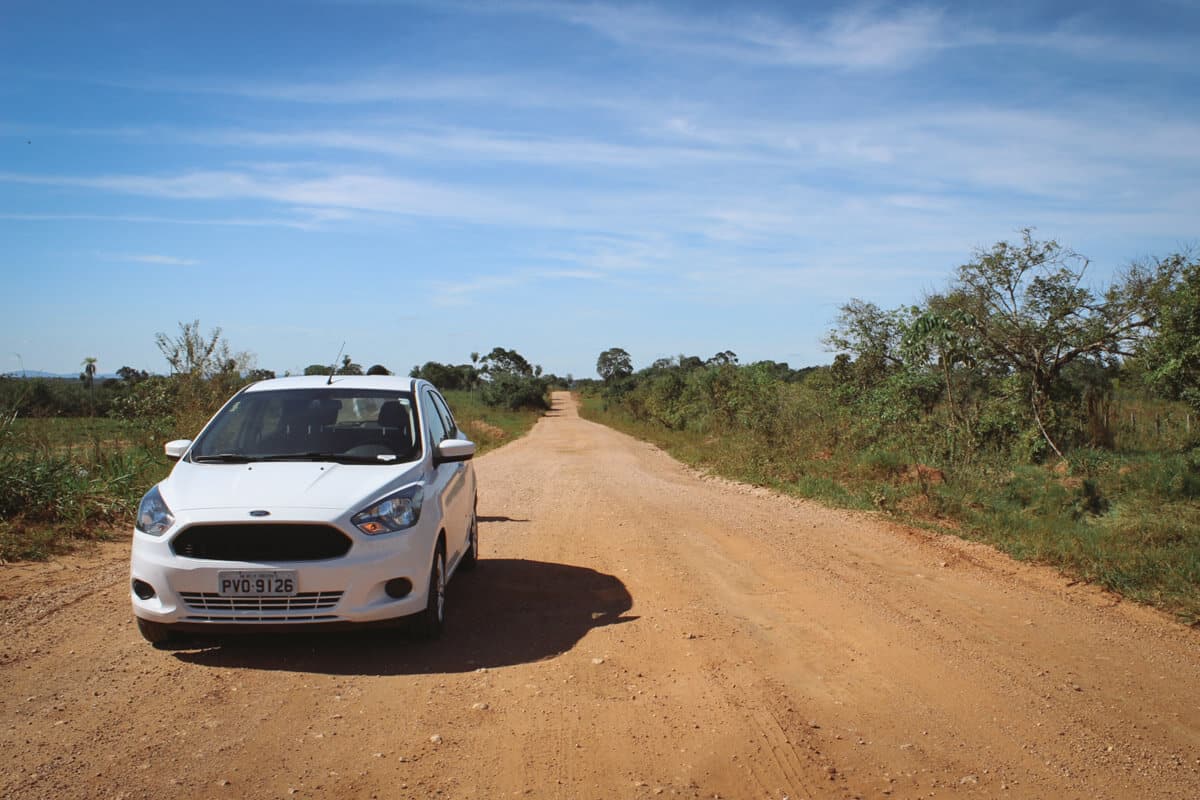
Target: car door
x: 449, y: 481
x: 464, y: 500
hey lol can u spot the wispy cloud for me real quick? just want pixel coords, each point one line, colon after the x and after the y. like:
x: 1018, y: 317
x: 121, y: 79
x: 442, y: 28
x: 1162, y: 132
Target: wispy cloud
x: 341, y: 191
x: 447, y: 142
x: 148, y: 219
x: 150, y: 258
x: 864, y: 36
x: 469, y: 290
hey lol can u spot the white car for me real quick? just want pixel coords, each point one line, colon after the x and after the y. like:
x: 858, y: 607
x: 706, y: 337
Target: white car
x: 309, y: 501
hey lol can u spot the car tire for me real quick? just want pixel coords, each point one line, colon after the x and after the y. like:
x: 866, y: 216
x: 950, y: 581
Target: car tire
x: 155, y: 633
x: 470, y: 559
x: 432, y: 620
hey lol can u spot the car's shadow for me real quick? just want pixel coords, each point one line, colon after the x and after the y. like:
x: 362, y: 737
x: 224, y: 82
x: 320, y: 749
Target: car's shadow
x: 509, y: 611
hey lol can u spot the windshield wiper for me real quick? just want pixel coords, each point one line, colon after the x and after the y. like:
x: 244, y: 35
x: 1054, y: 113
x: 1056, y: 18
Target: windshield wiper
x: 341, y: 458
x: 224, y: 458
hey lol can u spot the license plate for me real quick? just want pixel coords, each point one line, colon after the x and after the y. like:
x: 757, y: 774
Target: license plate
x: 276, y: 583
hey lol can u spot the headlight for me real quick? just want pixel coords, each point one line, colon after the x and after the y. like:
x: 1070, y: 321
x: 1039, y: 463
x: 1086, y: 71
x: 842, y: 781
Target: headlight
x: 394, y: 513
x: 153, y: 516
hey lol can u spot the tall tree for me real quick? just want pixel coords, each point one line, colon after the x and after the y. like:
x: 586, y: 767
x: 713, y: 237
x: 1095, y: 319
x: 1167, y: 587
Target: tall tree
x: 89, y: 380
x: 505, y: 361
x: 1026, y: 309
x: 1172, y: 355
x: 614, y: 364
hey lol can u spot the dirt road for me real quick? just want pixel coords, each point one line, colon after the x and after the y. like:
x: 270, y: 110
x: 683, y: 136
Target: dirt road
x: 635, y: 631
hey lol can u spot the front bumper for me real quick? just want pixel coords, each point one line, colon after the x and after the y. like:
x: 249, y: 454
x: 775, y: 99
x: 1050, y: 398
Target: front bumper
x: 347, y: 589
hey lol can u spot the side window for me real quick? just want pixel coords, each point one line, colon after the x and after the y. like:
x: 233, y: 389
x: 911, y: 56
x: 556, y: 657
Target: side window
x: 447, y: 417
x: 433, y: 420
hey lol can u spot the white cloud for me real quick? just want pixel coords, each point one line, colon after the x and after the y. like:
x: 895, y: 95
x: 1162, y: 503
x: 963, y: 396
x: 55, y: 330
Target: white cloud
x: 150, y: 258
x: 149, y: 219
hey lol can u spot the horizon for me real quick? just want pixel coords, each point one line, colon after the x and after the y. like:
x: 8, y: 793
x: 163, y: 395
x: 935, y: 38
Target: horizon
x: 426, y: 179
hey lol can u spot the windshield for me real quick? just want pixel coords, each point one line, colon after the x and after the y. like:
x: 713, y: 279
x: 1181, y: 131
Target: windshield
x: 349, y: 425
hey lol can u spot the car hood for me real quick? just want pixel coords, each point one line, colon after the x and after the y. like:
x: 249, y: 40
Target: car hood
x: 267, y: 485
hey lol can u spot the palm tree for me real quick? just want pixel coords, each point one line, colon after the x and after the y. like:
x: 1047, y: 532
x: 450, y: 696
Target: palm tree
x: 88, y: 376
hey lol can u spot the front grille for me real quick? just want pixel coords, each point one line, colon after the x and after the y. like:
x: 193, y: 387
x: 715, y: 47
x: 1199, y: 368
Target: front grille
x: 261, y: 542
x: 298, y: 608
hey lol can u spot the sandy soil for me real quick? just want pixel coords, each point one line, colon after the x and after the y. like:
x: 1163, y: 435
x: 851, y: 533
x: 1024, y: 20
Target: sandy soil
x: 635, y: 630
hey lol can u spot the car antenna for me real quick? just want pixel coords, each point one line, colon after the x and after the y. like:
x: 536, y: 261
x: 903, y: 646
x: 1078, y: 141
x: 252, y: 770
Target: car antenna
x: 333, y: 367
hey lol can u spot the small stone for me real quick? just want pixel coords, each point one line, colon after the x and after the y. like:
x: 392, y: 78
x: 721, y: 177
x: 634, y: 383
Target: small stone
x: 969, y: 780
x: 480, y: 706
x: 597, y: 661
x: 436, y: 738
x: 222, y: 782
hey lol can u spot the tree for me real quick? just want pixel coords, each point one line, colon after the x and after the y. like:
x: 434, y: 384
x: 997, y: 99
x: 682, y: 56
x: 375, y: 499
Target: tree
x: 870, y: 335
x: 510, y: 381
x: 378, y: 369
x: 725, y: 358
x: 131, y: 375
x: 505, y: 361
x: 1024, y: 309
x: 1172, y: 355
x: 614, y: 364
x: 89, y: 379
x: 348, y: 367
x: 260, y: 375
x: 318, y: 369
x: 197, y: 356
x: 446, y: 376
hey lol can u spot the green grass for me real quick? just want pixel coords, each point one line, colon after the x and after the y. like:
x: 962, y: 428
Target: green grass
x: 64, y: 481
x: 1128, y: 522
x: 485, y: 425
x: 74, y: 434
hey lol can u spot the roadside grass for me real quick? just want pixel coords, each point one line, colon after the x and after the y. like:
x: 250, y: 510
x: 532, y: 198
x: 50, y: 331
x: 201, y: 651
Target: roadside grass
x: 67, y: 481
x: 487, y: 426
x: 1129, y: 522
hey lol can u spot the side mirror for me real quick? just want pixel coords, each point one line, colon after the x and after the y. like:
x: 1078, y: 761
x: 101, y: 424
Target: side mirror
x: 453, y: 450
x: 177, y: 448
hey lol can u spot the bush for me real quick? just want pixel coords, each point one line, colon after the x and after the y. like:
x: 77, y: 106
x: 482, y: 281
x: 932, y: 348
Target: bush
x: 511, y: 391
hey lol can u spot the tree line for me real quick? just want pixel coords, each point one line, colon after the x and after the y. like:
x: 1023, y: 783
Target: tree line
x: 205, y: 370
x: 1018, y: 355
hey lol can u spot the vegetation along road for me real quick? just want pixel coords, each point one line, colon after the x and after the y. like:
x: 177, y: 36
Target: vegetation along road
x: 636, y: 630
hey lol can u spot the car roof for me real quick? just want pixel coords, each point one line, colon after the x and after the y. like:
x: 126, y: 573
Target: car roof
x: 387, y: 382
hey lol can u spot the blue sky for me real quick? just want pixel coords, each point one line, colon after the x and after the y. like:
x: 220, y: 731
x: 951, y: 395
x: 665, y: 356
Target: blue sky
x: 426, y: 179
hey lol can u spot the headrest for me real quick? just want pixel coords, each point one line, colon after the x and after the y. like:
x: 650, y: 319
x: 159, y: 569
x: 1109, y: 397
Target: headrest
x: 393, y: 415
x: 322, y: 411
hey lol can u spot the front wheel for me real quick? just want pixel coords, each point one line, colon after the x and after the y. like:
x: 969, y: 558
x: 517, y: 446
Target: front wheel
x: 155, y: 633
x: 432, y: 620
